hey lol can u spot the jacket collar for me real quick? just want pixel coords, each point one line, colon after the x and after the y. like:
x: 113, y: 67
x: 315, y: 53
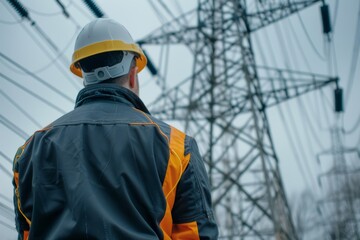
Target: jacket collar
x: 110, y: 92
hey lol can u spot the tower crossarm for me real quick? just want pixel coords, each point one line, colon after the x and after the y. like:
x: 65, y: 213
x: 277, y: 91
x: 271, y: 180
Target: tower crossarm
x: 175, y: 31
x: 264, y: 13
x: 278, y: 85
x: 259, y: 15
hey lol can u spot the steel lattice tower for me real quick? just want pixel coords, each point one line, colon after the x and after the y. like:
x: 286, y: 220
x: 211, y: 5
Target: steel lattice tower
x: 223, y: 105
x: 341, y: 202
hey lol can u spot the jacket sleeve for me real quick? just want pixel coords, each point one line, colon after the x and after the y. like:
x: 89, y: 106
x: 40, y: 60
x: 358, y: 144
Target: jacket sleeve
x: 22, y: 220
x: 193, y: 217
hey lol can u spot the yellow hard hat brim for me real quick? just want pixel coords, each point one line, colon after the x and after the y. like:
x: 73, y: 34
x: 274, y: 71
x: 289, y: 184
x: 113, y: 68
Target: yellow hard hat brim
x: 107, y: 46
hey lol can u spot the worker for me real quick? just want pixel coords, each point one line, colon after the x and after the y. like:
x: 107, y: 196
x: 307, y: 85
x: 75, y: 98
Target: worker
x: 109, y: 169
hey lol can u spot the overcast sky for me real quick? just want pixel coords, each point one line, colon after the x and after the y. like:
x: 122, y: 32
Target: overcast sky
x: 23, y: 44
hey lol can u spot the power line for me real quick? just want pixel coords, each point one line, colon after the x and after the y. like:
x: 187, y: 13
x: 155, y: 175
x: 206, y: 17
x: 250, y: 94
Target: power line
x: 6, y: 198
x: 18, y: 131
x: 6, y: 157
x: 301, y: 50
x: 285, y: 54
x: 312, y: 129
x: 53, y: 60
x: 4, y: 169
x: 37, y: 42
x: 284, y: 50
x: 301, y: 147
x: 21, y: 109
x: 46, y: 13
x: 8, y: 212
x: 335, y: 14
x: 308, y: 37
x: 287, y: 129
x: 33, y: 94
x: 294, y: 149
x: 36, y: 77
x: 10, y: 22
x: 354, y: 128
x: 94, y: 8
x: 166, y: 9
x: 354, y: 59
x: 7, y: 225
x: 87, y: 15
x: 304, y: 114
x: 158, y: 13
x: 67, y: 14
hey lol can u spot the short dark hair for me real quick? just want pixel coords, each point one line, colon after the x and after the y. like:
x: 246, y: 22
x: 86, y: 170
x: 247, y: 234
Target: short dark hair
x: 89, y: 64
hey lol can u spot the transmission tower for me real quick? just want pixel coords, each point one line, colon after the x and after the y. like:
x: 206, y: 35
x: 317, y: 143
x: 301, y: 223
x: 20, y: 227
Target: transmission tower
x: 341, y: 206
x: 223, y: 105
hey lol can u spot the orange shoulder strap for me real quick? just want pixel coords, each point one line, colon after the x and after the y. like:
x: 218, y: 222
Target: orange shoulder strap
x: 176, y: 166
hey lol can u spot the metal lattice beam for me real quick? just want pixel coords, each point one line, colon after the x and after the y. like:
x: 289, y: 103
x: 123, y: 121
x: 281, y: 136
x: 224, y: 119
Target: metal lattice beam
x: 223, y: 105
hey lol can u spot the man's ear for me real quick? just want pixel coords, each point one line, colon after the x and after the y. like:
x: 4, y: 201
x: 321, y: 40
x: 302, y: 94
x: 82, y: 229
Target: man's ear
x: 132, y: 77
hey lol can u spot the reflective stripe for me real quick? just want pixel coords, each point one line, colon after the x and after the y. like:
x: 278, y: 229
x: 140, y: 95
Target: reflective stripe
x: 185, y: 231
x: 16, y: 174
x: 16, y: 178
x: 176, y: 166
x: 26, y: 235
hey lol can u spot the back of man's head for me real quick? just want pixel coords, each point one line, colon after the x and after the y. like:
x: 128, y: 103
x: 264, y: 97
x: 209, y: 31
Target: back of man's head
x: 106, y: 59
x: 105, y: 52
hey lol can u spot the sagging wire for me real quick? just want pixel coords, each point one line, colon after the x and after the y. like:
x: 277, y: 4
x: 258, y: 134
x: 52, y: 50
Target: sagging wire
x: 51, y: 14
x: 21, y: 109
x: 15, y: 129
x: 42, y: 81
x: 24, y: 14
x: 33, y: 94
x: 6, y: 157
x: 321, y: 57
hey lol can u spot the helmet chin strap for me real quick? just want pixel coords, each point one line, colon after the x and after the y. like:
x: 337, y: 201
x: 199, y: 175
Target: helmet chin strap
x: 104, y: 73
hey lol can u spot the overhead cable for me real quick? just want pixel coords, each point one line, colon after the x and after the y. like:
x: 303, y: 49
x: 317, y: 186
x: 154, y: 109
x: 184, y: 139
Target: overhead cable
x: 6, y: 157
x: 40, y: 45
x: 305, y: 115
x: 48, y: 14
x: 63, y: 8
x: 32, y: 93
x: 53, y: 60
x: 6, y: 198
x: 7, y: 225
x: 309, y: 38
x: 354, y: 128
x: 301, y: 147
x: 301, y: 50
x: 67, y: 14
x: 94, y: 8
x: 294, y: 149
x: 354, y: 59
x: 335, y: 14
x: 167, y: 9
x: 4, y: 169
x: 22, y: 11
x: 19, y: 8
x: 292, y: 144
x: 7, y: 212
x: 10, y: 22
x: 21, y: 109
x: 60, y: 93
x: 86, y: 14
x: 158, y: 13
x: 286, y: 56
x: 11, y: 126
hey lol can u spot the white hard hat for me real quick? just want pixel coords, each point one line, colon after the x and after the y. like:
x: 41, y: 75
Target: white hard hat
x: 105, y: 35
